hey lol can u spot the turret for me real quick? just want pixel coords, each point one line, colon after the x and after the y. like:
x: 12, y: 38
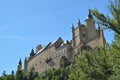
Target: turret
x: 99, y: 30
x: 90, y: 26
x: 79, y: 23
x: 20, y: 65
x: 89, y: 21
x: 90, y: 15
x: 25, y: 65
x: 20, y: 62
x: 72, y: 27
x: 32, y: 53
x: 76, y: 34
x: 39, y: 47
x: 73, y: 36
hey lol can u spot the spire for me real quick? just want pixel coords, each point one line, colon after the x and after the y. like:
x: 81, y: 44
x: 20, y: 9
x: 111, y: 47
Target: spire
x: 32, y: 53
x: 100, y: 30
x: 25, y: 64
x: 20, y: 62
x: 90, y: 15
x: 20, y: 65
x: 25, y: 59
x: 79, y: 22
x: 99, y: 27
x: 72, y: 26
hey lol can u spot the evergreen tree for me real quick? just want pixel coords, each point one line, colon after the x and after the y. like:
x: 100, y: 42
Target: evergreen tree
x: 19, y: 75
x: 112, y: 23
x: 108, y: 22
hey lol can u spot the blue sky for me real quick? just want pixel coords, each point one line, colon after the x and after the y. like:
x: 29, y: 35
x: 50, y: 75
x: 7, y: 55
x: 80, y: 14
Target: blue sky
x: 26, y: 23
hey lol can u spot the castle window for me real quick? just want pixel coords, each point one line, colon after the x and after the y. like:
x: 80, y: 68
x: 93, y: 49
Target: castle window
x: 76, y: 36
x: 83, y: 35
x: 40, y: 62
x: 64, y: 51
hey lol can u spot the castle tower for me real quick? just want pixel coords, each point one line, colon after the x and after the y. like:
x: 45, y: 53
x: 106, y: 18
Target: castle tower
x: 32, y: 53
x: 101, y: 36
x: 86, y: 36
x: 90, y: 25
x: 73, y: 36
x: 20, y: 65
x: 76, y: 34
x: 25, y: 64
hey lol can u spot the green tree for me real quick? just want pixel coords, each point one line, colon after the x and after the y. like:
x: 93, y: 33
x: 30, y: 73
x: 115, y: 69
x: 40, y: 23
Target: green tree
x: 112, y: 22
x: 103, y: 63
x: 19, y: 75
x: 92, y: 65
x: 31, y: 75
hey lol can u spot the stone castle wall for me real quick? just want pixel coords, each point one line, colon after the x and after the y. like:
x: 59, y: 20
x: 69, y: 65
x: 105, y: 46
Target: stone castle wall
x: 38, y: 62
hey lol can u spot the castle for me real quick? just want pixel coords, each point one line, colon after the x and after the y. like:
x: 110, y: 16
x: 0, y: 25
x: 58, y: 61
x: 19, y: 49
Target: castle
x: 84, y: 37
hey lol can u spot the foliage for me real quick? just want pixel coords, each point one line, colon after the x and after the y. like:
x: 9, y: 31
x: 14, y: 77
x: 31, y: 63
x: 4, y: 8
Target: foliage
x: 112, y: 21
x: 19, y: 75
x: 57, y: 74
x: 92, y: 65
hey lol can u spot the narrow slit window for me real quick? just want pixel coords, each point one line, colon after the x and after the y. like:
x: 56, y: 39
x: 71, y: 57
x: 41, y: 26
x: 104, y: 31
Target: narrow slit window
x: 83, y: 35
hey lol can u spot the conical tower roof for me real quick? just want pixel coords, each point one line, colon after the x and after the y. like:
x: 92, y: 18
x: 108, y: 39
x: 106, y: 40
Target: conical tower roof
x: 32, y: 53
x: 20, y: 62
x: 90, y: 15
